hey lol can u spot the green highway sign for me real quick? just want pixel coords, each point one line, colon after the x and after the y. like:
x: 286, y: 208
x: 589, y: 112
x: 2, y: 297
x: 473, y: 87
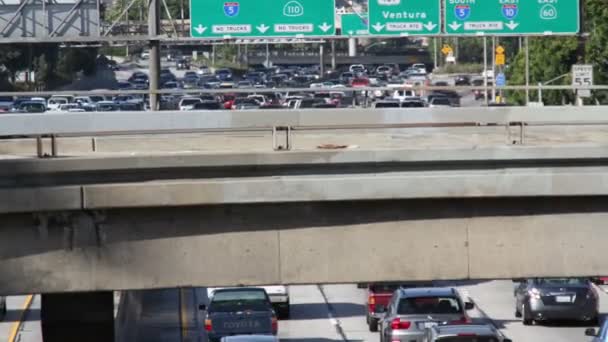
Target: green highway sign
x: 354, y: 24
x: 512, y: 17
x: 261, y: 18
x: 405, y: 17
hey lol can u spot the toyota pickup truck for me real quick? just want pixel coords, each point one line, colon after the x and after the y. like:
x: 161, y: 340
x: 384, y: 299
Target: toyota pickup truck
x: 239, y: 311
x: 279, y: 297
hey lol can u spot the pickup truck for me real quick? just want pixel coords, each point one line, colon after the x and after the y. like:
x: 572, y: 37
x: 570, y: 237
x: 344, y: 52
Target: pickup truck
x: 279, y: 298
x: 239, y: 311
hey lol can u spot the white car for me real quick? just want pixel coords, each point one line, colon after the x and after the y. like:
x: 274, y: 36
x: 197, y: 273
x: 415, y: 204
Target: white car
x: 420, y: 67
x: 279, y: 297
x: 403, y: 94
x: 55, y: 102
x: 187, y: 103
x: 204, y: 71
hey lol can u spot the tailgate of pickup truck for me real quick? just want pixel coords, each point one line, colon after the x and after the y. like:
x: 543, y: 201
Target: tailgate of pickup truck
x: 234, y: 323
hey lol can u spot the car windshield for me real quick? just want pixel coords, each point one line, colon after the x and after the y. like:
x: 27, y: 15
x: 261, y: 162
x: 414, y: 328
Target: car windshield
x: 428, y: 305
x: 232, y: 301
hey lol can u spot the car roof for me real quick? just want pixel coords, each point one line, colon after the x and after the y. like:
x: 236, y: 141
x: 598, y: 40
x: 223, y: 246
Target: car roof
x: 427, y: 291
x: 477, y: 329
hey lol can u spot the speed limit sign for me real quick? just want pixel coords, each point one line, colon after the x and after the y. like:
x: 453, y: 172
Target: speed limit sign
x: 582, y: 75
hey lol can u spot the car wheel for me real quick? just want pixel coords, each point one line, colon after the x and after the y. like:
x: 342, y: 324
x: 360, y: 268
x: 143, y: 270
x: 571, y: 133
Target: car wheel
x: 524, y: 316
x: 373, y: 324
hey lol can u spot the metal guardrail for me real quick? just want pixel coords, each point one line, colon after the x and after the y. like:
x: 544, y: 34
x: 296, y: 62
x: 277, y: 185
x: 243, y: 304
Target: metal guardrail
x: 285, y: 122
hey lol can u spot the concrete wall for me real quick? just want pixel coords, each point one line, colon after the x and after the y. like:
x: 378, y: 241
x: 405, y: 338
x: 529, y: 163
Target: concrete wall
x: 303, y: 243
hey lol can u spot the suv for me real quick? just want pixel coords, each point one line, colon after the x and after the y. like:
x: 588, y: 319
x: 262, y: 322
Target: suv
x: 278, y: 294
x: 378, y: 296
x: 464, y: 333
x: 411, y: 311
x: 239, y: 311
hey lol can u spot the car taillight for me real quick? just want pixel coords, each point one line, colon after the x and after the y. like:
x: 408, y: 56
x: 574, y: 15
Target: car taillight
x: 371, y: 300
x: 207, y: 324
x: 275, y: 324
x: 398, y: 324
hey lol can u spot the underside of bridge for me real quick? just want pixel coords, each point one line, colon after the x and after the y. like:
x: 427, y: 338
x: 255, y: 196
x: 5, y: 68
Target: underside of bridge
x: 302, y: 243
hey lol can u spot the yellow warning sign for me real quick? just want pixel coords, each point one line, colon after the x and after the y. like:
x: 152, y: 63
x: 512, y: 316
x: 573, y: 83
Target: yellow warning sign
x: 500, y: 59
x: 446, y: 50
x: 500, y: 50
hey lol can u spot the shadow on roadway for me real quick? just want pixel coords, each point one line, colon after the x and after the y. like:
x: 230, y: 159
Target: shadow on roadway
x: 319, y: 310
x: 15, y: 315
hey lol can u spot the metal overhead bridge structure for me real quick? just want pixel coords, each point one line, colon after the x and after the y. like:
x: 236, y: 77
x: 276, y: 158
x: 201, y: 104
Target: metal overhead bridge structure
x: 82, y: 212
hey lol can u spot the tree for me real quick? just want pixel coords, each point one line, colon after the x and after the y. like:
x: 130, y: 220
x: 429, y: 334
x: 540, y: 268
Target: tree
x: 596, y: 49
x: 550, y: 57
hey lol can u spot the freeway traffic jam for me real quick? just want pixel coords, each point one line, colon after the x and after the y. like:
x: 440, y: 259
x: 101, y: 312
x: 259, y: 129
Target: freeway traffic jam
x: 421, y: 311
x: 535, y: 309
x: 265, y: 89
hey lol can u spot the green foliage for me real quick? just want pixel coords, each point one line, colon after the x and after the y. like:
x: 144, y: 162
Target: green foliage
x: 550, y: 57
x: 596, y: 49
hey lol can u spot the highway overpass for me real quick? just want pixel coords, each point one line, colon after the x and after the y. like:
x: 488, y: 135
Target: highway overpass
x: 102, y: 222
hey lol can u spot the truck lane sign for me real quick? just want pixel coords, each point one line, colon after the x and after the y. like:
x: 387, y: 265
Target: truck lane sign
x: 404, y: 17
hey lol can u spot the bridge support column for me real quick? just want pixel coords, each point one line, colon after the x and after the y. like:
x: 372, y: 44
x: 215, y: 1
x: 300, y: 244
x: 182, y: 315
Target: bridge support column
x: 77, y: 317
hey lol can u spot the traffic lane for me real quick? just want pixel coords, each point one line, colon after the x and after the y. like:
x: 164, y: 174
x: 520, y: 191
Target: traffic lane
x: 31, y: 330
x: 15, y: 313
x: 158, y: 314
x: 349, y: 306
x: 310, y: 318
x: 495, y: 299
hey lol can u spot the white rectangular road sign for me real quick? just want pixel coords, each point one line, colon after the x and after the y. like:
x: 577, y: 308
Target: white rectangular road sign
x: 582, y: 75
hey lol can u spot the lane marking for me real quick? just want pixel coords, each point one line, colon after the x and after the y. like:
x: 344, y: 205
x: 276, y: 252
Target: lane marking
x: 17, y: 324
x: 330, y: 310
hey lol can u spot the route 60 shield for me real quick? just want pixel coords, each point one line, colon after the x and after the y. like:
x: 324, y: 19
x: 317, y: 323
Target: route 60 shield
x: 231, y: 9
x: 462, y: 12
x: 509, y: 11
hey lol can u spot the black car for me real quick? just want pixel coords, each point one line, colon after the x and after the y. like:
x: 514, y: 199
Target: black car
x: 239, y: 311
x: 542, y: 299
x: 462, y: 80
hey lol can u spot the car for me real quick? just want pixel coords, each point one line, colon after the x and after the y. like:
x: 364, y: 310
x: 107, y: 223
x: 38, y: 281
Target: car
x: 55, y: 102
x: 223, y: 74
x: 462, y: 80
x: 6, y: 102
x: 239, y: 311
x: 402, y: 94
x: 387, y: 104
x: 245, y: 104
x: 145, y: 55
x: 439, y: 102
x: 182, y: 64
x: 203, y: 71
x: 188, y: 103
x: 378, y: 296
x: 544, y: 299
x: 107, y: 106
x: 410, y: 311
x: 250, y: 338
x: 413, y: 102
x: 464, y: 333
x: 419, y: 67
x: 31, y: 107
x: 355, y: 68
x: 599, y: 336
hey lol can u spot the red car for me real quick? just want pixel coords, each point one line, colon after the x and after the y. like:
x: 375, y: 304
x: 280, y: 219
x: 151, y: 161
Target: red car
x: 359, y: 82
